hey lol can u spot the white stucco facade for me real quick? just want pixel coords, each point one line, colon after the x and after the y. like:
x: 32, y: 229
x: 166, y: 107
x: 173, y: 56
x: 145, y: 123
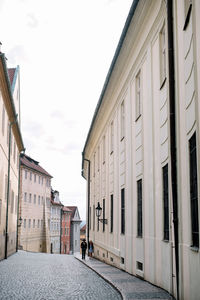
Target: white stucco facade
x: 55, y: 222
x: 128, y: 147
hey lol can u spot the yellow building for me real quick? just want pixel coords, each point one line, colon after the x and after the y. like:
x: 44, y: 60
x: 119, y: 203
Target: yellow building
x: 11, y: 144
x: 34, y: 206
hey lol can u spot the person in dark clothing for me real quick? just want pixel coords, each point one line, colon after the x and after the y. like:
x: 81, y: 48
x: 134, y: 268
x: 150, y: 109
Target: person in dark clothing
x: 83, y: 248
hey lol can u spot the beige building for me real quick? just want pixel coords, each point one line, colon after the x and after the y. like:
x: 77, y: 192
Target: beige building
x: 34, y: 208
x: 11, y: 145
x: 141, y: 156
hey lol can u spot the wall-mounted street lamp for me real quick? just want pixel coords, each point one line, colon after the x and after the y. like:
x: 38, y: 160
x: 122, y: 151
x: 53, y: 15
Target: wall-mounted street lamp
x: 19, y: 224
x: 98, y: 214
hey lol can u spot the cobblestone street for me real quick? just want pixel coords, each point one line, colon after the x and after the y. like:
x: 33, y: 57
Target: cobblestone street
x: 35, y: 276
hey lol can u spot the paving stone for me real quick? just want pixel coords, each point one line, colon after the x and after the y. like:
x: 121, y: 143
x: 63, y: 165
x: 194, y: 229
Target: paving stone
x: 39, y: 276
x: 131, y: 287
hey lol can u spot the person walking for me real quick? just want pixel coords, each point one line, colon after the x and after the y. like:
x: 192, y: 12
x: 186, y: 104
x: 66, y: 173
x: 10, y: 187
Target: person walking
x: 83, y: 248
x: 91, y: 248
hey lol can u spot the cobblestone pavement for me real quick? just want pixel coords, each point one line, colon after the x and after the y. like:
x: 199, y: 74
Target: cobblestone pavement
x: 130, y: 287
x: 39, y: 276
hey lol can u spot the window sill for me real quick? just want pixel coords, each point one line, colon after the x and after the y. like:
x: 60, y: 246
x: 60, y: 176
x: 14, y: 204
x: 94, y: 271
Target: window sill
x: 163, y: 83
x: 165, y: 241
x: 139, y: 237
x: 194, y: 249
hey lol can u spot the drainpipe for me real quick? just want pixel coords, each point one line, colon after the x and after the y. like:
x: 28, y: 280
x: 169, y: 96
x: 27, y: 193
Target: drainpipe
x: 88, y: 208
x: 8, y: 187
x: 172, y: 107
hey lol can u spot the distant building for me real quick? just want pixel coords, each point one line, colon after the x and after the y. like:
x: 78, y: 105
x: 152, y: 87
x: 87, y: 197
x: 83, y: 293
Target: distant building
x: 55, y: 222
x: 11, y: 144
x: 34, y: 208
x: 75, y: 229
x: 65, y: 230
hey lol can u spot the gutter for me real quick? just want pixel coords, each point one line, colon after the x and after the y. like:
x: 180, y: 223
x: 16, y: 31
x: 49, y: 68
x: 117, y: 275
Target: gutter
x: 173, y: 142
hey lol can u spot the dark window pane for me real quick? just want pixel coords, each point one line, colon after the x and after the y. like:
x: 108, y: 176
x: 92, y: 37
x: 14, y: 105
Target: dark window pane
x: 166, y: 203
x: 194, y: 191
x: 122, y: 211
x: 139, y: 210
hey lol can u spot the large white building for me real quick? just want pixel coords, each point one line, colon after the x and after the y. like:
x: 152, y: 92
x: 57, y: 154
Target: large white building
x: 141, y: 156
x: 11, y: 144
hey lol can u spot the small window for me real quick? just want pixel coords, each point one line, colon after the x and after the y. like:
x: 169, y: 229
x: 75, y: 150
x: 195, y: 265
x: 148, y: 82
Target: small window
x: 30, y: 198
x: 24, y: 223
x: 25, y: 174
x: 34, y: 199
x: 38, y: 200
x: 30, y: 176
x: 139, y: 265
x: 33, y: 223
x: 35, y: 177
x: 25, y: 197
x: 29, y: 223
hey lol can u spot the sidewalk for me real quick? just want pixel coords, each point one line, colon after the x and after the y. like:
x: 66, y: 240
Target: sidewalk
x: 129, y: 286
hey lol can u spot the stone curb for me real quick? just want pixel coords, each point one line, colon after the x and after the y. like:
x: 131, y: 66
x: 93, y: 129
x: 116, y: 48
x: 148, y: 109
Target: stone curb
x: 103, y: 277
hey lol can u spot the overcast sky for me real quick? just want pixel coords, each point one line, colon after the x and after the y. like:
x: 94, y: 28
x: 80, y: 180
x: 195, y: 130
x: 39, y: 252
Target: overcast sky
x: 64, y: 49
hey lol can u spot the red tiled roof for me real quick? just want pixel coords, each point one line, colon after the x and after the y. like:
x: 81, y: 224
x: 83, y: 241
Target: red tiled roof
x: 83, y: 228
x: 11, y: 73
x: 73, y: 209
x: 33, y: 164
x: 65, y: 208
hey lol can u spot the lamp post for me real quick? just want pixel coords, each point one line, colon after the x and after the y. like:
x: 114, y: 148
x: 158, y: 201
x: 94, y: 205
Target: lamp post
x: 19, y: 224
x: 98, y: 214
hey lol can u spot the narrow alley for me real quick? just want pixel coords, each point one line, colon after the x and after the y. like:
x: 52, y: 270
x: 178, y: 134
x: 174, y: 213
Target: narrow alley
x: 35, y: 276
